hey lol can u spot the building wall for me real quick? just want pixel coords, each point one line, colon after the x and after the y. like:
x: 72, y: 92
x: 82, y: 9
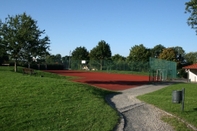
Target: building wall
x: 193, y: 75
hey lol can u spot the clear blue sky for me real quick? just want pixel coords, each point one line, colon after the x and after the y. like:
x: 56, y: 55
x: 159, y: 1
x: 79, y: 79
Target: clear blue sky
x: 121, y: 23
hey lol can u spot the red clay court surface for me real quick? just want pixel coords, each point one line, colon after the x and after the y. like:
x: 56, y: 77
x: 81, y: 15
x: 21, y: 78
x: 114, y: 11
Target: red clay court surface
x: 109, y: 81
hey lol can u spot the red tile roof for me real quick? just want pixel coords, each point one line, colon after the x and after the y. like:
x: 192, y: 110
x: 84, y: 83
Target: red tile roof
x: 194, y: 66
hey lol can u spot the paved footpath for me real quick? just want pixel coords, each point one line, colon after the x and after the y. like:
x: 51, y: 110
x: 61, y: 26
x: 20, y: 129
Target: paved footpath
x: 136, y: 115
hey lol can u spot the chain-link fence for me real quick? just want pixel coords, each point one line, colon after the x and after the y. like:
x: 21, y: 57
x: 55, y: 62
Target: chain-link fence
x: 162, y: 70
x: 159, y: 70
x: 110, y: 65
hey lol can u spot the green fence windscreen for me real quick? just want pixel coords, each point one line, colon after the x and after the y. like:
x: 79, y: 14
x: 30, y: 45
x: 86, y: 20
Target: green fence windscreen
x: 161, y: 70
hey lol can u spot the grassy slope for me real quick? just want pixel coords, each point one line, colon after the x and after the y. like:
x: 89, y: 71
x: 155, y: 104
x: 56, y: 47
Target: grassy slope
x: 44, y: 103
x: 163, y: 99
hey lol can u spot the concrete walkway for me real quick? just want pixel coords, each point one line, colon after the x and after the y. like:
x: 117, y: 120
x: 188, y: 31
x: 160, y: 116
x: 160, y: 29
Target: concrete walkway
x: 136, y: 115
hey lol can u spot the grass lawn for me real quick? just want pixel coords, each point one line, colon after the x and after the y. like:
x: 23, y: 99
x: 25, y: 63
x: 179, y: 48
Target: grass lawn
x: 163, y: 99
x: 51, y: 102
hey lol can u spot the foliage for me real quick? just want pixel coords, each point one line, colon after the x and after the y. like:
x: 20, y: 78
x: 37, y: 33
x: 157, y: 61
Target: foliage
x: 163, y: 100
x: 118, y: 57
x: 54, y: 59
x: 22, y: 38
x: 155, y: 51
x: 52, y: 102
x: 58, y: 58
x: 2, y: 48
x: 191, y: 57
x: 80, y: 53
x: 191, y: 7
x: 66, y: 61
x: 110, y: 65
x: 4, y: 58
x: 168, y: 54
x: 139, y: 53
x: 182, y: 73
x: 101, y: 52
x: 118, y: 62
x: 180, y: 57
x: 50, y: 59
x: 179, y: 51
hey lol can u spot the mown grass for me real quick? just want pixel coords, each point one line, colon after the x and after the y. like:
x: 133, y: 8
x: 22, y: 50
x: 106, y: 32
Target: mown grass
x: 176, y: 123
x: 51, y: 102
x: 163, y: 99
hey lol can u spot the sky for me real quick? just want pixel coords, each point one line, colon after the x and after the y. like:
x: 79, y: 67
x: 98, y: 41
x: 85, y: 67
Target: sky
x: 121, y: 23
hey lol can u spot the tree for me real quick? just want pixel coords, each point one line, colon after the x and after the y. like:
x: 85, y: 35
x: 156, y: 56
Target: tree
x: 180, y: 53
x: 119, y: 62
x: 101, y: 52
x: 66, y: 61
x: 80, y: 53
x: 139, y: 53
x: 155, y: 51
x: 50, y: 59
x: 191, y: 57
x: 139, y: 57
x: 22, y: 38
x: 3, y: 54
x: 118, y: 57
x: 58, y: 59
x: 168, y: 54
x: 1, y: 40
x: 54, y: 59
x: 191, y: 7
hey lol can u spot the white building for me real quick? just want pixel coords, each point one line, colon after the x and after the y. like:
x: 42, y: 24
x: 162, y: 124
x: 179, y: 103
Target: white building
x: 192, y: 72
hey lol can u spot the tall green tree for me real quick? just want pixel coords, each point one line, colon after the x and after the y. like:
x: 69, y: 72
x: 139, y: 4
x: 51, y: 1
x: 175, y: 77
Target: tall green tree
x: 118, y: 57
x: 58, y: 59
x: 101, y: 52
x: 191, y: 57
x: 50, y: 59
x: 3, y: 55
x: 66, y: 61
x: 139, y: 53
x: 191, y: 7
x: 1, y: 44
x: 80, y: 53
x: 54, y: 59
x: 22, y: 38
x: 156, y: 50
x: 180, y: 53
x: 119, y: 62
